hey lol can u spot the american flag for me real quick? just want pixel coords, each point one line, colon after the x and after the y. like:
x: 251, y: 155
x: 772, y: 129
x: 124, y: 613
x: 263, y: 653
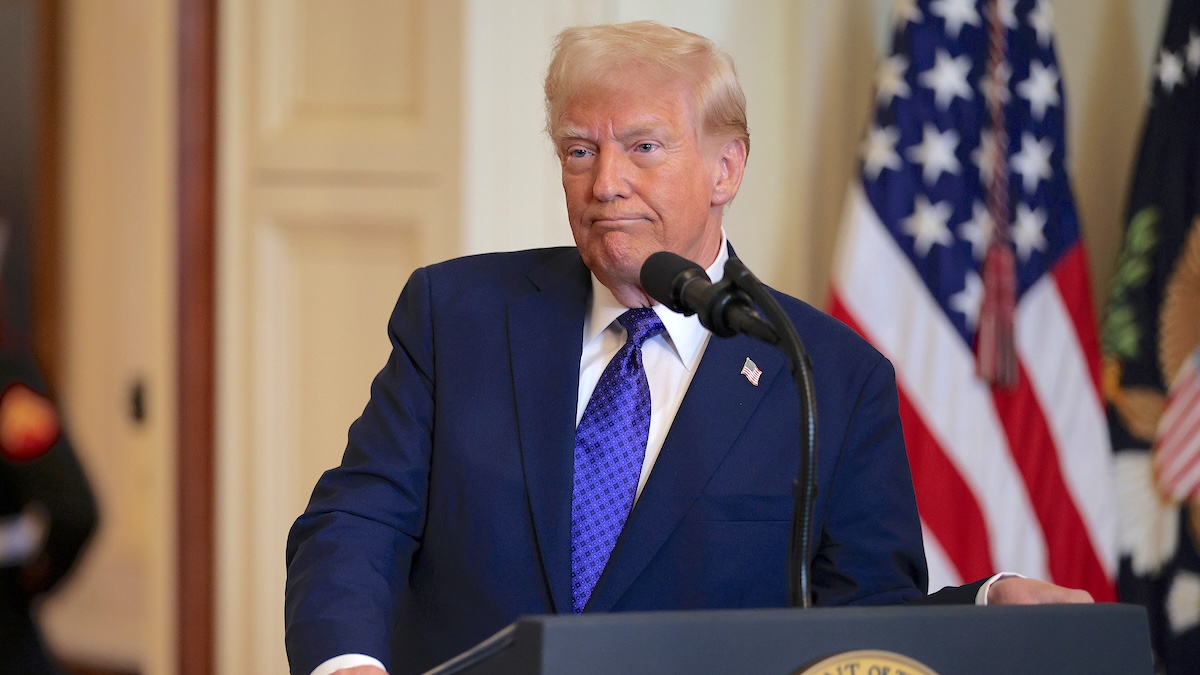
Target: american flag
x: 1013, y: 476
x: 1151, y: 336
x: 752, y: 372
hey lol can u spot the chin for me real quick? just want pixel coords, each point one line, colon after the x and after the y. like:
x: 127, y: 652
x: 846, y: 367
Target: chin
x: 616, y: 264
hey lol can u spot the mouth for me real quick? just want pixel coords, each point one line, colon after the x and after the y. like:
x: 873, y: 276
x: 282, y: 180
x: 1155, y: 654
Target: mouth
x: 618, y: 222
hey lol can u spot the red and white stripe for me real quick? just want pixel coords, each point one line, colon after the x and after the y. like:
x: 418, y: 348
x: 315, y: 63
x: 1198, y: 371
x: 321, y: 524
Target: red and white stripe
x: 1177, y: 448
x: 1006, y: 480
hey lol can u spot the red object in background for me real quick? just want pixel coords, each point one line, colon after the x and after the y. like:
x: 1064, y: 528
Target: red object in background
x: 28, y: 424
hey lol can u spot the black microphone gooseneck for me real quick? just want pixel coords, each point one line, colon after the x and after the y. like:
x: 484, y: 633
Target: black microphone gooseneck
x: 727, y: 308
x: 805, y: 487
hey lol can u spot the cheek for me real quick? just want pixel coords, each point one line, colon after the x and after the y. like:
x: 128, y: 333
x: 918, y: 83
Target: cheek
x: 576, y: 186
x: 685, y: 208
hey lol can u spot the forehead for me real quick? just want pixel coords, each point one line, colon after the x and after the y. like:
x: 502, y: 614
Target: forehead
x: 632, y: 106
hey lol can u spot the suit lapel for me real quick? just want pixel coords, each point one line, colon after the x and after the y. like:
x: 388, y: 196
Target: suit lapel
x: 545, y: 334
x: 717, y: 406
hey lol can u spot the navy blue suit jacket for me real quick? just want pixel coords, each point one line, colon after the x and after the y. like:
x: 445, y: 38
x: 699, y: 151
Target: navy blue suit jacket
x: 450, y: 514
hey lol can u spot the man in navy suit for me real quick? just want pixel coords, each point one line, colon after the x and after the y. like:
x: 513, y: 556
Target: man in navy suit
x: 451, y: 513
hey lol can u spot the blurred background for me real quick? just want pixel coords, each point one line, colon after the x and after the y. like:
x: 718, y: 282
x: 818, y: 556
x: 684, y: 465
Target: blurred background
x: 224, y: 198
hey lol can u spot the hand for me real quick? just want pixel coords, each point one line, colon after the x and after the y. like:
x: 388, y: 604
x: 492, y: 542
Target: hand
x: 1022, y: 591
x: 361, y: 670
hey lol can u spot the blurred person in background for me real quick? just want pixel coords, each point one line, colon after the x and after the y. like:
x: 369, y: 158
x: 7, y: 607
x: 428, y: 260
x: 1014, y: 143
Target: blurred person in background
x: 47, y: 508
x: 47, y: 511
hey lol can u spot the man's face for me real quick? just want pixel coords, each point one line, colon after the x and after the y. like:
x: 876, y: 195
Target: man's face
x: 639, y: 178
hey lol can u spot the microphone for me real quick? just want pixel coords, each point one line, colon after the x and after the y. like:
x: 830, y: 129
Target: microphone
x: 683, y: 286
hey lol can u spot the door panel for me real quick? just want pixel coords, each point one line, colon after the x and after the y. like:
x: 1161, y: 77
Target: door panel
x: 338, y: 176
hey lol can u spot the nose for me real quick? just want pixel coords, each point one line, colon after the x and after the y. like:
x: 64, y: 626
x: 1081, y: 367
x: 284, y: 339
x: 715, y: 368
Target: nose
x: 610, y: 175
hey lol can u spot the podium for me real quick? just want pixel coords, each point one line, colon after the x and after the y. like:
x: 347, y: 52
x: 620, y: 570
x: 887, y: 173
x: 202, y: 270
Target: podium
x: 1092, y: 639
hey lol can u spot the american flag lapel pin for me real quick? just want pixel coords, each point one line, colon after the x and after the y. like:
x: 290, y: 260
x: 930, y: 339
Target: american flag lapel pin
x: 751, y: 371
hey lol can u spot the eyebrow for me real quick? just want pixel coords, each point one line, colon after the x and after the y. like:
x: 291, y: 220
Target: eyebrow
x: 653, y: 125
x: 643, y: 130
x: 569, y: 134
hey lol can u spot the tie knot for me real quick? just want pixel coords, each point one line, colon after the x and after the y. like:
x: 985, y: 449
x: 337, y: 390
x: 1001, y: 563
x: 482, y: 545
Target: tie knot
x: 641, y: 324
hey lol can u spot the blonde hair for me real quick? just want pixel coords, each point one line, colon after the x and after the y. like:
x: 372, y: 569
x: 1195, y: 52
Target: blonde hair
x: 587, y: 55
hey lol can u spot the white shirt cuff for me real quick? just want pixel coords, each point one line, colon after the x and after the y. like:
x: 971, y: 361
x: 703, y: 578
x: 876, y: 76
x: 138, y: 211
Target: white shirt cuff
x: 981, y: 596
x: 346, y: 661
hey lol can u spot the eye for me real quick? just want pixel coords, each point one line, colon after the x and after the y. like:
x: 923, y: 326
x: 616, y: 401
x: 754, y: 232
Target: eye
x: 577, y: 153
x: 646, y: 147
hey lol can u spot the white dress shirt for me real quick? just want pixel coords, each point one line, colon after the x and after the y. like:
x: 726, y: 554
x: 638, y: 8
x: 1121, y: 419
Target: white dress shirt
x: 669, y: 358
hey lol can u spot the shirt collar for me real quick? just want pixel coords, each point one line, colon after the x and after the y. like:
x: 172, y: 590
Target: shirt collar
x: 683, y: 333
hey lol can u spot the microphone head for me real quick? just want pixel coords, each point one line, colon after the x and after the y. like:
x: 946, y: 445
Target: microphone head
x: 663, y: 276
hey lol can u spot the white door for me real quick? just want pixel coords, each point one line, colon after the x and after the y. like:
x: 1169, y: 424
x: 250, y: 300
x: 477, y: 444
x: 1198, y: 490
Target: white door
x: 338, y: 175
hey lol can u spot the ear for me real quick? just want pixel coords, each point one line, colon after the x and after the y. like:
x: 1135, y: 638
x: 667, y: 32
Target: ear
x: 731, y: 164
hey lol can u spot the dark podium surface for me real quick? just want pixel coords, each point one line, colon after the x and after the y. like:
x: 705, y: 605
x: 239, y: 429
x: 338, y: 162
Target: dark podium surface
x: 1093, y: 639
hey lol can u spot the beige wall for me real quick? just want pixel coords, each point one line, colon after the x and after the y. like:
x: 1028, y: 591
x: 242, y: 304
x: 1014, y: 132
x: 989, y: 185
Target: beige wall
x: 1106, y: 49
x: 807, y: 69
x: 118, y: 94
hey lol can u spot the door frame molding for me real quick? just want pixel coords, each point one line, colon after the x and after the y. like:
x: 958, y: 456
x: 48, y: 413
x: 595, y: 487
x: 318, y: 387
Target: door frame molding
x: 196, y: 137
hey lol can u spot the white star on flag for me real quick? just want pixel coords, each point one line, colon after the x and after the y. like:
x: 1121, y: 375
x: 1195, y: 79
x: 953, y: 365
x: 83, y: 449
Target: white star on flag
x: 977, y: 230
x: 998, y: 90
x: 1008, y: 16
x: 968, y: 301
x: 948, y: 78
x: 1170, y: 70
x: 1028, y: 231
x: 935, y: 153
x: 984, y: 156
x: 879, y: 151
x: 889, y: 80
x: 1042, y: 20
x: 956, y: 13
x: 1040, y: 89
x: 904, y: 11
x: 927, y: 225
x: 1033, y: 161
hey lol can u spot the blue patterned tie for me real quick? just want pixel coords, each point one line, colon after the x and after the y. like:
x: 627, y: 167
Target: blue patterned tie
x: 610, y: 446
